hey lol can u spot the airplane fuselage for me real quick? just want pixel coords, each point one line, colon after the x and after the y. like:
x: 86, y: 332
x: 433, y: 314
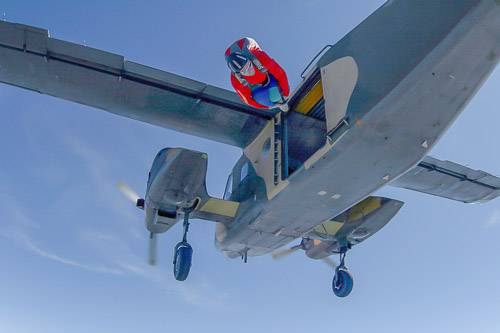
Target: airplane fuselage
x: 390, y: 129
x: 365, y: 116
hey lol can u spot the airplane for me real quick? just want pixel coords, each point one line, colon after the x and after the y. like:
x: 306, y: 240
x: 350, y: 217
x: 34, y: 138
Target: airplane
x: 365, y: 115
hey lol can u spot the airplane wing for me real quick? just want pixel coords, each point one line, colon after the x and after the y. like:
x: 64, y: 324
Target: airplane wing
x: 450, y: 180
x: 30, y: 59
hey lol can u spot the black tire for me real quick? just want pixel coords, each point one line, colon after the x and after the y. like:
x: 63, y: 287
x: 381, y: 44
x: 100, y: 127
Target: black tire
x: 182, y: 260
x: 342, y: 282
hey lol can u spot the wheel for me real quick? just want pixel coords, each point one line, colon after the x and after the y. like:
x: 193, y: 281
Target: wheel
x: 182, y: 260
x: 342, y: 282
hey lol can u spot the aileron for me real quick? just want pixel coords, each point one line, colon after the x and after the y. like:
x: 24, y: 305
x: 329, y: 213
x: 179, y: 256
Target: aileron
x: 450, y: 180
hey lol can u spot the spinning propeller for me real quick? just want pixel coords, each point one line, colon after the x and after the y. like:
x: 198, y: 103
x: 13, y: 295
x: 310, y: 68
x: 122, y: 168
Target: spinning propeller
x: 128, y: 192
x: 280, y: 254
x: 136, y: 199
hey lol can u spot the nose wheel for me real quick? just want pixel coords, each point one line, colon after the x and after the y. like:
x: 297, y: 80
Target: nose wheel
x: 342, y: 280
x: 183, y: 253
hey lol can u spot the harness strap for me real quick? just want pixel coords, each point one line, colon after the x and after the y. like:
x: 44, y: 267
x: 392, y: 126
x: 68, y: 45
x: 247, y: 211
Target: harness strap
x: 242, y: 80
x: 258, y: 64
x: 254, y: 60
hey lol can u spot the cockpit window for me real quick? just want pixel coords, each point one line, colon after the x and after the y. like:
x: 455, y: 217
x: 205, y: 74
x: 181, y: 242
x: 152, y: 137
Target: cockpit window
x: 229, y: 186
x: 244, y: 172
x: 266, y: 147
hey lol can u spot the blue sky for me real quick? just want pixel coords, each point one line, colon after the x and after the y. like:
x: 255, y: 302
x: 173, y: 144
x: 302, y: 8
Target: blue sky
x: 73, y: 249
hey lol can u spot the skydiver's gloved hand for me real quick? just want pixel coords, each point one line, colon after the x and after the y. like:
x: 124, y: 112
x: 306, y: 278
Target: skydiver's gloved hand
x: 268, y: 94
x: 259, y: 80
x: 283, y: 107
x: 275, y: 96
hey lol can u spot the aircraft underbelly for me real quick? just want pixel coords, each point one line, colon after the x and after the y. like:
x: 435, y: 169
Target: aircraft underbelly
x: 386, y: 142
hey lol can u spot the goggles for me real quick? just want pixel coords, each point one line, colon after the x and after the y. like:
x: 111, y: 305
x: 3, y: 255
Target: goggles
x: 238, y: 63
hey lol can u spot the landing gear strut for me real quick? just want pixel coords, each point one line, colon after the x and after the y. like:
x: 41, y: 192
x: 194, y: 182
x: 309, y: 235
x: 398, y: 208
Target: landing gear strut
x: 183, y: 253
x: 342, y: 280
x: 244, y: 256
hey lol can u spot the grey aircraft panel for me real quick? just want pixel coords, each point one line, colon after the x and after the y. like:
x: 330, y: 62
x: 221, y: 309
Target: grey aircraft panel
x: 30, y: 59
x: 450, y: 180
x: 397, y: 37
x: 392, y: 127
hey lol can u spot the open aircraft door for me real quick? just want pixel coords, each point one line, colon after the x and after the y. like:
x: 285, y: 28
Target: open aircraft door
x: 339, y: 80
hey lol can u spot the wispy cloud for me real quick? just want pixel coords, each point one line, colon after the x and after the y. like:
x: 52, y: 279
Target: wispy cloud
x: 20, y: 235
x: 493, y: 220
x: 121, y: 255
x: 96, y: 166
x: 116, y: 250
x: 29, y: 245
x: 117, y: 258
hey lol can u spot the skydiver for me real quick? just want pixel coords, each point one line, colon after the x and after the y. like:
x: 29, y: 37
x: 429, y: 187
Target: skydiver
x: 257, y: 78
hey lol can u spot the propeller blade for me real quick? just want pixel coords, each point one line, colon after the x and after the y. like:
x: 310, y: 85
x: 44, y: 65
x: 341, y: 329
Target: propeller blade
x: 152, y: 249
x: 279, y: 254
x: 128, y: 192
x: 330, y: 262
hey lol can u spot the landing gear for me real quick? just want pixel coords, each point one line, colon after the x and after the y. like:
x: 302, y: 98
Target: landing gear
x: 183, y: 253
x: 244, y: 256
x: 342, y: 280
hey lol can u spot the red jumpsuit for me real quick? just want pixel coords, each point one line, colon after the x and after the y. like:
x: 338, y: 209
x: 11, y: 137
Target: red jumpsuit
x: 259, y: 77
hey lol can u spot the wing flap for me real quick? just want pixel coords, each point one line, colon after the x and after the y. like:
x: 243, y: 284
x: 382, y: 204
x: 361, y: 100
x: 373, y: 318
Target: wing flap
x: 30, y: 59
x: 24, y: 37
x: 450, y: 180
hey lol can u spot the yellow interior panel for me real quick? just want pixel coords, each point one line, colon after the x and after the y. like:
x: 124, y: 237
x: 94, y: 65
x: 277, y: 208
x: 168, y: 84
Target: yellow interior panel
x: 310, y: 99
x: 364, y: 208
x: 220, y: 207
x: 329, y: 227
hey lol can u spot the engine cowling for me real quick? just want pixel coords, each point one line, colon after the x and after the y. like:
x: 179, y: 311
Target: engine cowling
x: 176, y: 181
x: 177, y: 177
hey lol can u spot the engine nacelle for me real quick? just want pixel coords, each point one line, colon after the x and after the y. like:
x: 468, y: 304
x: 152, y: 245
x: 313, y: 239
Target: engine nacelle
x: 176, y: 181
x: 177, y: 177
x: 351, y: 227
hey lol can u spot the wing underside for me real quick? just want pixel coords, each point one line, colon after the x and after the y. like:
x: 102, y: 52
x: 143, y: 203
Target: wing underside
x: 30, y: 59
x: 450, y: 180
